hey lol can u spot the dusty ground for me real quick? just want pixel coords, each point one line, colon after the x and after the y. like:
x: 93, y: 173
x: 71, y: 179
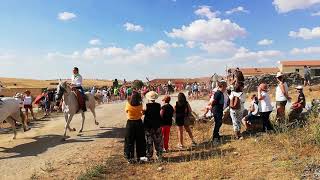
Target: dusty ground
x: 41, y: 150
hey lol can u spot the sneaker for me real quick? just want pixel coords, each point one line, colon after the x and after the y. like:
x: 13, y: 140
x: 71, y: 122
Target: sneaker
x: 143, y: 159
x: 180, y: 146
x: 164, y: 150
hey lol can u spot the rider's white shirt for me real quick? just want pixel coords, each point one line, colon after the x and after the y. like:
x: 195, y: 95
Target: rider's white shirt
x: 76, y: 80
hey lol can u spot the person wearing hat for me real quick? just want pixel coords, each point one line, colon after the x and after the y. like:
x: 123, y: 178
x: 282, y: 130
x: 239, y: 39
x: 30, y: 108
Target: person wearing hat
x: 152, y: 122
x: 27, y: 104
x: 265, y: 106
x: 166, y: 114
x: 301, y: 101
x: 282, y: 96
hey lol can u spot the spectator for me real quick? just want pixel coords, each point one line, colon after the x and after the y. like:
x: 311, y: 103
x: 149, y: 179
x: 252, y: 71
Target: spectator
x: 265, y: 106
x: 27, y: 103
x: 307, y: 76
x: 300, y: 104
x: 51, y: 98
x: 152, y: 122
x: 217, y: 106
x: 166, y: 123
x: 46, y: 102
x: 237, y: 77
x: 282, y: 97
x: 252, y: 112
x: 237, y: 100
x: 135, y: 136
x: 182, y: 109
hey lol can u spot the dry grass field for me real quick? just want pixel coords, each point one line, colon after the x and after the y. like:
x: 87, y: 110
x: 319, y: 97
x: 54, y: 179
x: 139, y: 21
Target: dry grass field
x: 293, y: 154
x: 32, y: 83
x: 13, y: 85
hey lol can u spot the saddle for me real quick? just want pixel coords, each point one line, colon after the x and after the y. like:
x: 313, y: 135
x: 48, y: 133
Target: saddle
x: 82, y: 98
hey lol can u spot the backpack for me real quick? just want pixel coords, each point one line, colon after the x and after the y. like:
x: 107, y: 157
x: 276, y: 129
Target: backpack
x: 235, y: 103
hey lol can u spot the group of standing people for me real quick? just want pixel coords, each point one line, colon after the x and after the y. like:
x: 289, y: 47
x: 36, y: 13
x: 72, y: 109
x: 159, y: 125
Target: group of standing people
x: 154, y: 130
x: 233, y: 102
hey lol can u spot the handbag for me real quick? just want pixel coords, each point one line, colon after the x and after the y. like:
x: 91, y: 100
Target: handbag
x: 189, y: 119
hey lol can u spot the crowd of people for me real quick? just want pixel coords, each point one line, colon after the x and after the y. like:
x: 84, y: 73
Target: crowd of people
x: 153, y: 131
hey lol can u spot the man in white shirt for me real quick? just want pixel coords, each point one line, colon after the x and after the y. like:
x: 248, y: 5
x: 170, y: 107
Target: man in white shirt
x: 76, y: 82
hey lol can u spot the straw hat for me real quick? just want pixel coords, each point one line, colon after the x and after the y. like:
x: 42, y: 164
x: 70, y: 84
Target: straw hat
x: 152, y: 95
x: 279, y: 74
x: 299, y: 87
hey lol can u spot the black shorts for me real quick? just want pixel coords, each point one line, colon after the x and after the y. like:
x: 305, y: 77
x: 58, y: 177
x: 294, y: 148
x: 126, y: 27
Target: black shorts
x: 281, y: 103
x: 180, y: 121
x: 307, y: 78
x: 251, y: 118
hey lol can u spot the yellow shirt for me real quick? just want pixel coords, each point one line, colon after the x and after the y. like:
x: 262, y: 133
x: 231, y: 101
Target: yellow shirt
x: 134, y: 112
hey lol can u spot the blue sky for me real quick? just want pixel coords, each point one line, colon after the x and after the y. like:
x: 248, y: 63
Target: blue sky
x: 153, y: 38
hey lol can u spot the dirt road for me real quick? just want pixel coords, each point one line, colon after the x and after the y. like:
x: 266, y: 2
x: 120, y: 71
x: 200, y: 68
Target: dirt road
x: 40, y: 150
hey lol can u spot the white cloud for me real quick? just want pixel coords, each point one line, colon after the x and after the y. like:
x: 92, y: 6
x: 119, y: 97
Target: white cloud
x: 315, y: 13
x: 236, y: 10
x: 95, y: 42
x: 208, y: 31
x: 245, y: 54
x: 205, y: 11
x: 175, y: 45
x: 7, y: 56
x: 242, y: 58
x: 265, y: 42
x: 133, y: 27
x: 59, y: 55
x: 306, y: 33
x: 284, y: 6
x: 140, y: 53
x: 66, y: 16
x: 190, y: 44
x: 219, y: 48
x: 308, y: 50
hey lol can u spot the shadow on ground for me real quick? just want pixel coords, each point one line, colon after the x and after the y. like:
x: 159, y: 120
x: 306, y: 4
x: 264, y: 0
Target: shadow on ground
x: 40, y: 145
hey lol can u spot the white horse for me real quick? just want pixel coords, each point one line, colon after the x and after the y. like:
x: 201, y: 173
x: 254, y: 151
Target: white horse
x: 10, y: 111
x: 70, y: 105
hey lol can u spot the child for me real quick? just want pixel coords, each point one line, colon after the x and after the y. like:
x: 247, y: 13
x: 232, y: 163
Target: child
x: 301, y: 101
x: 166, y: 123
x: 27, y: 103
x: 135, y: 136
x: 152, y: 122
x: 253, y: 111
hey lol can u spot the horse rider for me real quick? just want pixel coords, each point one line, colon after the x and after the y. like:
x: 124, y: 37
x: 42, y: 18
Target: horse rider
x: 76, y: 82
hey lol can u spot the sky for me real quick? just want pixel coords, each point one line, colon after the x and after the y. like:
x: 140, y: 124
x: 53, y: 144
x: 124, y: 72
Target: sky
x: 45, y: 39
